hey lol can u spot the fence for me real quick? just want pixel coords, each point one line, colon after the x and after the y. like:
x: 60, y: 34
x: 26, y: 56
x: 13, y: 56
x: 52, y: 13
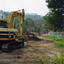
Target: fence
x: 57, y: 34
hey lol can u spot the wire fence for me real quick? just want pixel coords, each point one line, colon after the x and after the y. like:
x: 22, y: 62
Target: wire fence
x: 57, y: 34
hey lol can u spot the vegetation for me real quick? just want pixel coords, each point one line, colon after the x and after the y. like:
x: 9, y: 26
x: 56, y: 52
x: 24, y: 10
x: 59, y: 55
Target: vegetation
x: 57, y: 60
x: 34, y: 16
x: 59, y: 42
x: 4, y: 15
x: 33, y: 25
x: 54, y: 18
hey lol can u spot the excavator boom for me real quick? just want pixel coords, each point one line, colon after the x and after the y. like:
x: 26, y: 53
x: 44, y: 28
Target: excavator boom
x: 13, y: 15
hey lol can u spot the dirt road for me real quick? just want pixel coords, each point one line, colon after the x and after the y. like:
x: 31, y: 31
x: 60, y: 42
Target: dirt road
x: 29, y: 54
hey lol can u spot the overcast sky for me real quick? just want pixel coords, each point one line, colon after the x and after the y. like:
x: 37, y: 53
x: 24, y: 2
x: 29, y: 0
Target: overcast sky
x: 30, y: 6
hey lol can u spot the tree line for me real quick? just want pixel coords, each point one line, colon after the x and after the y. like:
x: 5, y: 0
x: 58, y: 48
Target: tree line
x: 30, y: 24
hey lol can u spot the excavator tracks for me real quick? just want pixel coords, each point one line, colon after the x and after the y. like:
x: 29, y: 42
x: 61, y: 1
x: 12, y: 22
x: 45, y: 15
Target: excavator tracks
x: 12, y: 45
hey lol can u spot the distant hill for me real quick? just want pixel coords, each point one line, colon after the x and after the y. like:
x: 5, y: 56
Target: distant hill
x: 32, y: 15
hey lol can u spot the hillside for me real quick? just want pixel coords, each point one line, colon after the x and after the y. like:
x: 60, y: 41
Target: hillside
x: 3, y: 14
x: 33, y: 15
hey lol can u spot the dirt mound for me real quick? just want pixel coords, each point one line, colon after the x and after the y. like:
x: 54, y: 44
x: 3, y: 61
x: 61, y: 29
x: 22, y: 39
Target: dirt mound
x: 33, y: 38
x: 30, y: 36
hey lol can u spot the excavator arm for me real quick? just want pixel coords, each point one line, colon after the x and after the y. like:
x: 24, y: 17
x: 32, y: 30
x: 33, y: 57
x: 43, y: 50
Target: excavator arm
x: 13, y: 15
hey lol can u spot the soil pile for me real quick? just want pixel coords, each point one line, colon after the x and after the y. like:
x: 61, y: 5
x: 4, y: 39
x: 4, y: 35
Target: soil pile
x: 31, y: 36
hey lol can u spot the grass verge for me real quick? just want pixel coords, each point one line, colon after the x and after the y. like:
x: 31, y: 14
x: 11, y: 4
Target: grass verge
x: 59, y: 42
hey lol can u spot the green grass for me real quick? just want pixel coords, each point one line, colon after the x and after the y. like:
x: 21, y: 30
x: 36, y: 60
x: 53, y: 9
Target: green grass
x: 51, y: 37
x: 59, y: 42
x: 57, y: 60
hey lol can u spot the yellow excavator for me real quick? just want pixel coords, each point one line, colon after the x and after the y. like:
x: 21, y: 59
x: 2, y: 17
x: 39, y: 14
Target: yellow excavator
x: 10, y: 38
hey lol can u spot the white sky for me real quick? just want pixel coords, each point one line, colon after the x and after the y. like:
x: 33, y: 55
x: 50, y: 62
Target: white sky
x: 30, y: 6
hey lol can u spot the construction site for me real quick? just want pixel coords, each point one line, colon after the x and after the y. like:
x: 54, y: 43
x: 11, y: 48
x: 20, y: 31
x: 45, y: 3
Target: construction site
x: 17, y: 47
x: 30, y: 52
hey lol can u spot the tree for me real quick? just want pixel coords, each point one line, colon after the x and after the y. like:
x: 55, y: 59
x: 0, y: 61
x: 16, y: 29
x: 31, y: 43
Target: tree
x: 57, y: 9
x: 50, y: 21
x: 32, y: 25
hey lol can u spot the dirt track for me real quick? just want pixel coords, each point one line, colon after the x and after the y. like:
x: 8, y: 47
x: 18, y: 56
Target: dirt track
x: 29, y: 54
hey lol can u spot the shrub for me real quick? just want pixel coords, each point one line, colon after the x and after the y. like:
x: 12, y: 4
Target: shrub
x: 57, y: 60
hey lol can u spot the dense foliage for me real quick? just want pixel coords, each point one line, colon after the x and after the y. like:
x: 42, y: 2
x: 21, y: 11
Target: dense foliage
x: 34, y: 25
x: 55, y: 16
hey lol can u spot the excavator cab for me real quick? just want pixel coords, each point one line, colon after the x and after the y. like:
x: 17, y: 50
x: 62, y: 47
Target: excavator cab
x: 3, y: 24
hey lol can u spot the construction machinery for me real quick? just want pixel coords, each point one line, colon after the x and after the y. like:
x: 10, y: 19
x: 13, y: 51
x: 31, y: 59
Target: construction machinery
x: 10, y: 38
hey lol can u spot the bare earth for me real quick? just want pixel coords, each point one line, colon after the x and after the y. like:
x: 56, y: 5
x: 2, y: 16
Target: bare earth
x: 29, y: 54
